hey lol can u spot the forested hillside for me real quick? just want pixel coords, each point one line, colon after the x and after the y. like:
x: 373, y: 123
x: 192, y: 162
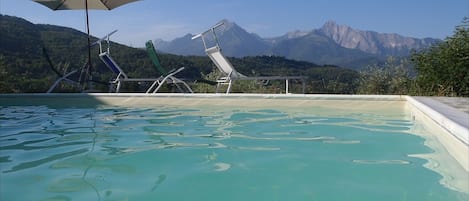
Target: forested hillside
x: 23, y: 67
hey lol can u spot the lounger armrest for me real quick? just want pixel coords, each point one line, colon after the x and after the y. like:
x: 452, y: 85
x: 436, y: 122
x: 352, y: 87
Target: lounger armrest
x: 103, y: 38
x: 196, y: 36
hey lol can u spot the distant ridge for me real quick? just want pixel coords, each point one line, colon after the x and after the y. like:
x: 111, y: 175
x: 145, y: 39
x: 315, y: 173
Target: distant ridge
x: 331, y: 44
x: 373, y: 42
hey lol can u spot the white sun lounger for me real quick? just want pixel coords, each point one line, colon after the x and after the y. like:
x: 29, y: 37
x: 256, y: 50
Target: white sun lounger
x: 229, y: 72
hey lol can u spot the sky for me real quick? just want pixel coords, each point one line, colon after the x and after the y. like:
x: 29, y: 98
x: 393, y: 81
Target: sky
x: 168, y: 19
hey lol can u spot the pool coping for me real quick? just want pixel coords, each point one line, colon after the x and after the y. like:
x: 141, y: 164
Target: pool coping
x: 456, y: 122
x: 214, y: 95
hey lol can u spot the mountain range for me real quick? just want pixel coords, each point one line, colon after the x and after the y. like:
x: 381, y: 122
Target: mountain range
x: 332, y: 44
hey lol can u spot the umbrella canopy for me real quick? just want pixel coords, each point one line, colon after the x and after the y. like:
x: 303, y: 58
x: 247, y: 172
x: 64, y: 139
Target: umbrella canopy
x: 84, y: 5
x: 80, y: 4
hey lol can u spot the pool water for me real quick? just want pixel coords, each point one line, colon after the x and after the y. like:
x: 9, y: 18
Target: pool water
x: 196, y: 153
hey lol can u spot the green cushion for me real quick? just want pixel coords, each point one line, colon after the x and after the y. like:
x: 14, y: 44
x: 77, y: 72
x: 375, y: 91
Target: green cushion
x: 154, y: 58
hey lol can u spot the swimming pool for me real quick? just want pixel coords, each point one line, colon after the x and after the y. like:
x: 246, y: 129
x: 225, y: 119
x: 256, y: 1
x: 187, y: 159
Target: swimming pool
x: 215, y: 148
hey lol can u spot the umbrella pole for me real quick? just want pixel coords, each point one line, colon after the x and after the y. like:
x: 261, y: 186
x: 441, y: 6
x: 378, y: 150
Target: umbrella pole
x: 88, y: 67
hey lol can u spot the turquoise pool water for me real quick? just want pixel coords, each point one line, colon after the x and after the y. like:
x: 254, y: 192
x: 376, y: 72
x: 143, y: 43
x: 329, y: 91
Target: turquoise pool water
x: 196, y: 153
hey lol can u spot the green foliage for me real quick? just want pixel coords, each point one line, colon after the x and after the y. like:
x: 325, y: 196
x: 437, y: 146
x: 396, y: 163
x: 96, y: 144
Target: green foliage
x: 332, y: 79
x: 393, y: 77
x: 443, y: 69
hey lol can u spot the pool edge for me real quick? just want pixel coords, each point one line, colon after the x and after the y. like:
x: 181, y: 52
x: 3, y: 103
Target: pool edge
x: 215, y: 95
x: 444, y: 118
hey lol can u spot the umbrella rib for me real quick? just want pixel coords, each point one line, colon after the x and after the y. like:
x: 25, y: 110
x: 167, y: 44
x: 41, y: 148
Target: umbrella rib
x: 59, y: 5
x: 105, y: 5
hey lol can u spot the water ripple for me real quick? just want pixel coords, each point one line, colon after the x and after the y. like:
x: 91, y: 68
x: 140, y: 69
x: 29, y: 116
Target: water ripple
x: 103, y: 153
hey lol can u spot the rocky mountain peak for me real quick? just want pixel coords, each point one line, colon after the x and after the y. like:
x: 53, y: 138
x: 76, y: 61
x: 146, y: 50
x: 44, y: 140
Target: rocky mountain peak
x: 344, y: 35
x: 334, y: 28
x: 297, y: 34
x: 370, y: 41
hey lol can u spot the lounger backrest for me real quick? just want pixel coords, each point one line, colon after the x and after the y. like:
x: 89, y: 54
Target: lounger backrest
x: 111, y: 64
x: 154, y: 58
x: 221, y: 62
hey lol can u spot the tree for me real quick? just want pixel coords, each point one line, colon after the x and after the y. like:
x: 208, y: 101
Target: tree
x: 394, y: 77
x: 443, y: 69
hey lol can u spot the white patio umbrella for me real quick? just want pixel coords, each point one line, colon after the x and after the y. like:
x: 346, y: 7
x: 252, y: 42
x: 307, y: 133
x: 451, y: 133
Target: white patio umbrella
x: 84, y: 5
